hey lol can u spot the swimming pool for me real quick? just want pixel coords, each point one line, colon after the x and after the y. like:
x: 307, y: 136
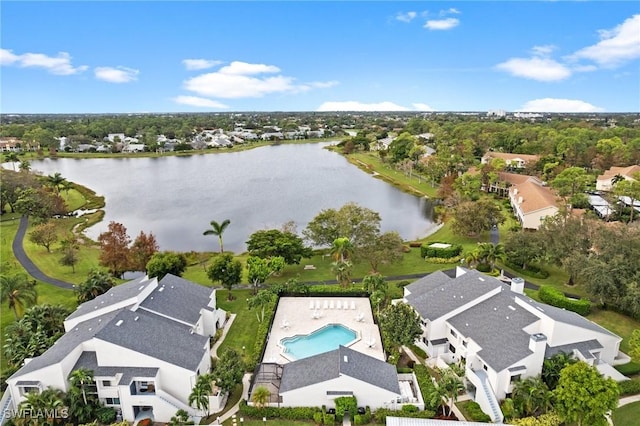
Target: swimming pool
x: 324, y: 339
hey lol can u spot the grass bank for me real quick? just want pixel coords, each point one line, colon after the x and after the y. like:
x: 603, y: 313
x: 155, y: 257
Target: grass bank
x: 627, y: 415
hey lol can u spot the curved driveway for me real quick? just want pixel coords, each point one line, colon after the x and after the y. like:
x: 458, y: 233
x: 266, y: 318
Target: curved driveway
x: 27, y: 264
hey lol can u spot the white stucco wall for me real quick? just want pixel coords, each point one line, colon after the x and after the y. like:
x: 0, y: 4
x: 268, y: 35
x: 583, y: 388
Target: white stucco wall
x: 316, y: 395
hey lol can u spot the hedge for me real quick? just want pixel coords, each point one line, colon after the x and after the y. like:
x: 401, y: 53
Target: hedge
x: 452, y: 251
x: 261, y: 336
x: 381, y: 414
x: 531, y: 271
x: 628, y: 369
x: 629, y: 387
x: 443, y: 260
x: 287, y: 413
x: 473, y: 410
x: 427, y: 387
x: 554, y: 297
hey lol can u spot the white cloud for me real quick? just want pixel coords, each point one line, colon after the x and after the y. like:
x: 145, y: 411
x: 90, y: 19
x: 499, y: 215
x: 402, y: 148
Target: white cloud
x: 360, y: 106
x: 406, y: 17
x: 199, y: 102
x: 450, y: 11
x: 558, y: 105
x: 536, y: 68
x: 422, y: 107
x: 243, y: 80
x: 442, y: 24
x: 200, y: 64
x: 116, y: 74
x: 59, y: 65
x: 616, y: 46
x: 544, y: 50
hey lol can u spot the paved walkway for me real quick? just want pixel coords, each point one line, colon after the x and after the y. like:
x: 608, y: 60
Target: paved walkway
x: 27, y: 264
x: 225, y: 330
x: 246, y: 382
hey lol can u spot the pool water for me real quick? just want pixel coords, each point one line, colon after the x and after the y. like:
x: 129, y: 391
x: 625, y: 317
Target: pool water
x: 325, y: 339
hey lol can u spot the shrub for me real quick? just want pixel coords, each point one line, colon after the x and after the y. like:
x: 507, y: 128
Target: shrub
x: 418, y: 351
x: 483, y: 267
x: 287, y: 413
x: 556, y: 298
x: 344, y: 404
x: 410, y: 408
x: 381, y: 414
x: 427, y: 387
x: 473, y: 410
x: 629, y: 387
x: 329, y: 419
x: 106, y: 415
x: 403, y: 284
x: 443, y: 260
x: 415, y: 244
x: 317, y: 417
x: 629, y: 369
x: 448, y: 252
x: 404, y: 370
x: 531, y: 271
x: 548, y: 419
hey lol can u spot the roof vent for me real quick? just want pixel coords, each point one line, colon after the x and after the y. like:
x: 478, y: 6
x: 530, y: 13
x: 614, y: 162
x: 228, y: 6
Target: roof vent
x: 512, y: 308
x: 442, y: 289
x: 172, y: 287
x: 495, y: 309
x: 191, y: 331
x: 467, y: 324
x: 136, y: 318
x: 454, y: 296
x: 481, y: 279
x: 507, y: 316
x: 160, y: 289
x: 141, y: 287
x: 119, y: 323
x: 346, y: 358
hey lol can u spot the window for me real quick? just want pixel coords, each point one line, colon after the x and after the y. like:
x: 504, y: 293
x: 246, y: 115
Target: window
x: 112, y: 401
x: 106, y: 383
x: 452, y: 348
x: 485, y: 367
x: 453, y: 333
x: 515, y: 378
x: 464, y: 343
x: 28, y: 389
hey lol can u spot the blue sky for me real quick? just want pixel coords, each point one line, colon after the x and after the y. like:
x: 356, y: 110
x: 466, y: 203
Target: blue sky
x: 61, y: 57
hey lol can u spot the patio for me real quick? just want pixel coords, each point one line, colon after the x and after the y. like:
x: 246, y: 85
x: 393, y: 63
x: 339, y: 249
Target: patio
x: 303, y: 315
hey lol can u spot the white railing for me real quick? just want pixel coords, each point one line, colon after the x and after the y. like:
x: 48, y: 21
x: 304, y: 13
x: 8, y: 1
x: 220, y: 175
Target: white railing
x: 486, y: 398
x: 5, y: 405
x: 173, y: 401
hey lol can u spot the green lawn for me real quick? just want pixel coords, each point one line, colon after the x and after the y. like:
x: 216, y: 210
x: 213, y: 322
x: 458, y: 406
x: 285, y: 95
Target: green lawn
x: 244, y: 327
x: 619, y: 324
x: 627, y: 415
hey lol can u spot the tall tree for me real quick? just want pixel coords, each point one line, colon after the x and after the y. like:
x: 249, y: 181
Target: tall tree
x: 261, y: 300
x: 375, y: 282
x: 218, y: 229
x: 55, y: 181
x: 144, y: 246
x: 400, y: 325
x: 490, y: 253
x: 341, y: 249
x: 629, y: 189
x: 69, y: 252
x: 583, y: 396
x: 163, y: 263
x: 226, y: 270
x: 273, y: 242
x: 451, y: 385
x: 229, y: 370
x: 342, y: 271
x: 18, y: 292
x: 531, y: 397
x: 259, y: 269
x: 571, y: 181
x: 114, y: 249
x: 359, y: 224
x: 199, y: 396
x: 81, y: 378
x: 472, y: 218
x: 44, y: 234
x: 260, y: 396
x: 551, y: 368
x: 44, y: 407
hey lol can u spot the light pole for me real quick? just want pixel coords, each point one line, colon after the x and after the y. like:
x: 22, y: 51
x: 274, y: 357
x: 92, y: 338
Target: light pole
x: 264, y: 420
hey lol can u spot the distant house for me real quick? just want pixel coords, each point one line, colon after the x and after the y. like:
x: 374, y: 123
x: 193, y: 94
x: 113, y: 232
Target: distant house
x: 532, y: 202
x: 500, y: 334
x: 133, y: 147
x: 515, y: 161
x: 269, y: 136
x: 604, y: 182
x: 9, y: 144
x: 146, y: 341
x: 506, y: 180
x: 112, y: 137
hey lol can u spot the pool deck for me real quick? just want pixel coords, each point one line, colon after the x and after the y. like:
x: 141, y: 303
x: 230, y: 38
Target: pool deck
x: 295, y: 316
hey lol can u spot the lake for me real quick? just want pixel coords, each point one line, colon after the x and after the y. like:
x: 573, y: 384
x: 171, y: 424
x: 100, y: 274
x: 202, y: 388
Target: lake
x: 175, y: 197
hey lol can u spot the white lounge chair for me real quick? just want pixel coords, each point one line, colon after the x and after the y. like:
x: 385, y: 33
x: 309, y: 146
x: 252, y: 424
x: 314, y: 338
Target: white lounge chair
x: 353, y: 305
x: 360, y: 317
x: 331, y: 304
x: 345, y: 305
x: 371, y: 343
x: 310, y: 304
x: 285, y: 324
x: 338, y: 304
x: 317, y: 304
x: 325, y: 305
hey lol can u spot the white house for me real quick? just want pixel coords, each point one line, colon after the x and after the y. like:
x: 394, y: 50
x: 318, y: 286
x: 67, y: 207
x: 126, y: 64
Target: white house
x: 516, y: 161
x: 500, y: 334
x: 112, y: 137
x: 346, y: 372
x: 604, y: 182
x: 532, y: 202
x: 146, y: 341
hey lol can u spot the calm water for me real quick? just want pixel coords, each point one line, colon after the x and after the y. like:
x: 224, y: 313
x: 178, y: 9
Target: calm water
x: 177, y: 197
x: 320, y: 341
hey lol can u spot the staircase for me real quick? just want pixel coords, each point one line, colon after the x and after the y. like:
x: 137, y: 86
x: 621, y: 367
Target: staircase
x: 487, y: 397
x: 5, y: 406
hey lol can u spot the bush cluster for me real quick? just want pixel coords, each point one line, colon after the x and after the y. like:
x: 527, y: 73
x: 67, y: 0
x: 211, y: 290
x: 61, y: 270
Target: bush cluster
x: 427, y: 387
x: 629, y: 369
x: 473, y: 410
x: 629, y: 387
x: 381, y: 414
x: 531, y: 271
x: 554, y: 297
x: 261, y: 337
x: 441, y: 260
x: 446, y: 253
x: 287, y: 413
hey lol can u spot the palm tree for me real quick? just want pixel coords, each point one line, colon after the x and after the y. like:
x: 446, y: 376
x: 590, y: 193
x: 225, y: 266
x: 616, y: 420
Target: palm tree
x: 199, y: 397
x: 78, y: 378
x: 452, y: 385
x: 342, y: 249
x: 55, y: 181
x: 342, y: 269
x: 18, y: 291
x: 97, y: 283
x: 24, y: 166
x: 491, y: 253
x: 260, y: 396
x: 531, y: 396
x: 218, y: 229
x: 261, y: 299
x: 472, y: 259
x: 49, y: 401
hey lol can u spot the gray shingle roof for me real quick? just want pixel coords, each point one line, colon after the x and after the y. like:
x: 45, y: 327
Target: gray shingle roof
x: 116, y: 294
x: 67, y: 342
x: 330, y: 365
x: 496, y: 324
x: 89, y: 361
x: 445, y: 294
x: 583, y: 347
x: 567, y: 317
x: 427, y: 283
x: 157, y: 337
x: 178, y: 298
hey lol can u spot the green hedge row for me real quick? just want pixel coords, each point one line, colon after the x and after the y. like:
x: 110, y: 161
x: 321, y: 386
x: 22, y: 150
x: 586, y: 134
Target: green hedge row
x: 427, y: 387
x: 261, y: 337
x: 629, y: 387
x: 287, y: 413
x: 443, y: 260
x: 381, y: 414
x: 554, y: 297
x: 531, y: 271
x: 629, y: 369
x: 446, y: 253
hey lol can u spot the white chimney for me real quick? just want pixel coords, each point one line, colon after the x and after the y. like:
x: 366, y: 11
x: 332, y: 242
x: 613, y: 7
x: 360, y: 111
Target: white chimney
x: 520, y: 200
x: 517, y: 285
